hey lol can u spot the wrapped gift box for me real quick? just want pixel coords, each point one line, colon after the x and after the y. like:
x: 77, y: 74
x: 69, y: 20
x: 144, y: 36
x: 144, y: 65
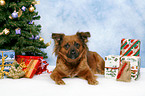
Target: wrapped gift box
x: 31, y: 62
x: 112, y: 63
x: 9, y: 59
x: 134, y: 64
x: 130, y: 47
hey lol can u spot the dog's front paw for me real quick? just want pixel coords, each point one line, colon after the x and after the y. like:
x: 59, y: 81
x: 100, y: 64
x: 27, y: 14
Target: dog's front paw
x: 60, y: 82
x: 93, y: 82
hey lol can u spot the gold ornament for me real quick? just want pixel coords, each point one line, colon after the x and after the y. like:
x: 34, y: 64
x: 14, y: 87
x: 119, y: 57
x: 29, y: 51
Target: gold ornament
x: 2, y: 2
x: 41, y: 39
x: 11, y: 17
x: 6, y: 31
x: 19, y: 13
x: 48, y: 44
x: 31, y: 8
x: 36, y: 2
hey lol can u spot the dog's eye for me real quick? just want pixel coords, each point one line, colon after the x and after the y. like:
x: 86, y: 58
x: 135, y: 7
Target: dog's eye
x: 77, y: 45
x: 66, y: 46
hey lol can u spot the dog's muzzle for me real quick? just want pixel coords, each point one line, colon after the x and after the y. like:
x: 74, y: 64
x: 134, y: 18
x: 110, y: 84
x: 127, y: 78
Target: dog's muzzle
x: 72, y: 60
x: 72, y: 54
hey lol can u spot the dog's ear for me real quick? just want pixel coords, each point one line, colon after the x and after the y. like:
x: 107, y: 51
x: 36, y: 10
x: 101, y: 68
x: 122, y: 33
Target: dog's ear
x: 57, y: 38
x: 84, y: 36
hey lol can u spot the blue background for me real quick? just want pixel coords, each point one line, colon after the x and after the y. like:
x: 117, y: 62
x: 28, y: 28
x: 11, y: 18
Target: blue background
x: 108, y: 21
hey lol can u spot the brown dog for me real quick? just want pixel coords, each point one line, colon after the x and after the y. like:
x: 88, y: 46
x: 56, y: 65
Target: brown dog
x: 74, y: 59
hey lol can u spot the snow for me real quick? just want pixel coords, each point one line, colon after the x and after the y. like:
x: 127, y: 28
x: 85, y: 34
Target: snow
x: 43, y: 85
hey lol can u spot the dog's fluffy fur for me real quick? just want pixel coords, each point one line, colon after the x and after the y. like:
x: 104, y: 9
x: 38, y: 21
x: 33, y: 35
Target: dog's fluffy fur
x: 74, y: 58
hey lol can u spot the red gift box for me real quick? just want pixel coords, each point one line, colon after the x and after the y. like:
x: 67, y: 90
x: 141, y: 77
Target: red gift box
x: 32, y: 63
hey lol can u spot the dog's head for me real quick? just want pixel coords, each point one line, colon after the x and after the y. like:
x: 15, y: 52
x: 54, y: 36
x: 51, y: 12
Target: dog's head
x: 70, y: 46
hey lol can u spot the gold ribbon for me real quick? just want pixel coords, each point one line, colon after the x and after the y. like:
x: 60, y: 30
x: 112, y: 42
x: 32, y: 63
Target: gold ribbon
x: 6, y: 65
x: 2, y: 72
x: 23, y: 65
x: 30, y: 67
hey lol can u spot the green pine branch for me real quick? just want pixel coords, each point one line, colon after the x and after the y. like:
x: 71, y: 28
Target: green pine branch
x: 21, y: 43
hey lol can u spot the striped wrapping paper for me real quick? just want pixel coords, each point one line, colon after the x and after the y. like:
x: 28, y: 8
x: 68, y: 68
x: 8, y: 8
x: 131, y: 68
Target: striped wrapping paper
x: 130, y: 47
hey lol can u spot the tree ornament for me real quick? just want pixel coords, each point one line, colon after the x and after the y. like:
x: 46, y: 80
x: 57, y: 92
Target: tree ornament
x: 36, y: 2
x: 18, y: 31
x: 32, y: 37
x: 31, y: 22
x: 31, y: 8
x: 48, y: 44
x: 41, y: 39
x: 11, y: 17
x: 2, y: 33
x: 14, y: 14
x: 6, y: 31
x: 2, y: 2
x: 23, y: 8
x: 37, y: 37
x: 20, y: 13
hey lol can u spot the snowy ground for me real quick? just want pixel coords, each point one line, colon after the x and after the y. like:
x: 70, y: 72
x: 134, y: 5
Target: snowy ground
x: 42, y: 85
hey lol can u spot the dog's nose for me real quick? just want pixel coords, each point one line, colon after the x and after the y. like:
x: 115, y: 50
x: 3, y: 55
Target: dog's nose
x: 73, y: 51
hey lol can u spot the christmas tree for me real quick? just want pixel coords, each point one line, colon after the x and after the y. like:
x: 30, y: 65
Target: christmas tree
x: 17, y: 29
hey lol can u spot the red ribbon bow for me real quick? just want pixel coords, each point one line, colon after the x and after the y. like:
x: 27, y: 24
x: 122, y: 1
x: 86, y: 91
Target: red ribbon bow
x: 42, y: 67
